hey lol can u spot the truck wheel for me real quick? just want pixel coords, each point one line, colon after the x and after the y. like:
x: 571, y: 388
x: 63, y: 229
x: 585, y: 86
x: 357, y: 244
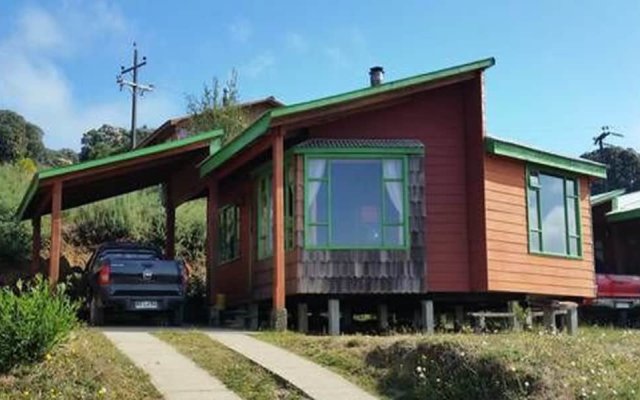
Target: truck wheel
x: 96, y: 313
x: 177, y: 316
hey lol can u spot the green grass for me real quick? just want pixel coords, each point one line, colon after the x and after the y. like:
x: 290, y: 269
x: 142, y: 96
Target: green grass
x: 245, y: 378
x: 598, y: 363
x: 88, y: 366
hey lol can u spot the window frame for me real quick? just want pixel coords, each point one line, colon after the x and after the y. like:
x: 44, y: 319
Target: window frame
x: 575, y: 197
x: 378, y: 155
x: 222, y: 212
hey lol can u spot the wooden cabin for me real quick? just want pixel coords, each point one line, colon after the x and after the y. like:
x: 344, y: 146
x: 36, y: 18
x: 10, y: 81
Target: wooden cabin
x: 390, y: 199
x: 387, y: 200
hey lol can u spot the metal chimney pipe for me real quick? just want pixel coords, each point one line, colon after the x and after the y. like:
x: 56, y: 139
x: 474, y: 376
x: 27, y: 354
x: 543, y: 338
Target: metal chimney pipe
x: 376, y: 75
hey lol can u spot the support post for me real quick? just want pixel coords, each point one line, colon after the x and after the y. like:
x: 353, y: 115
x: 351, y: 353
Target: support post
x: 303, y: 318
x: 56, y: 233
x: 36, y: 245
x: 459, y: 318
x: 170, y: 222
x: 514, y: 308
x: 549, y: 318
x: 572, y: 320
x: 212, y: 233
x: 279, y: 312
x: 334, y: 317
x: 383, y: 317
x: 427, y: 316
x: 254, y: 316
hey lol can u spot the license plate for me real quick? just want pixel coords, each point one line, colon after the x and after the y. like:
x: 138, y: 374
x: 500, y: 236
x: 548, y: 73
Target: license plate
x: 145, y: 305
x: 623, y: 305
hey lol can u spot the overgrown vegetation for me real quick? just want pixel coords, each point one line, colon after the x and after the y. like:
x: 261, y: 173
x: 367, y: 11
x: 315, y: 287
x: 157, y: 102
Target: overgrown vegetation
x: 14, y: 236
x: 88, y: 366
x: 248, y: 380
x: 598, y: 363
x: 33, y: 319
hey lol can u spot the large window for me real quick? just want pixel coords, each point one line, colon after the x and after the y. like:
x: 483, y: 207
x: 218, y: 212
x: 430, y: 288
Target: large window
x: 354, y: 203
x: 553, y: 214
x: 228, y: 233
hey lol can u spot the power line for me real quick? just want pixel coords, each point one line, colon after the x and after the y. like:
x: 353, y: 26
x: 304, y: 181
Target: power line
x: 135, y: 87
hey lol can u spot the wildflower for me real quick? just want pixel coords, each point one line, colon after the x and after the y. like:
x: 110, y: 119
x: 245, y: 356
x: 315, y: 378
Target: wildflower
x: 526, y: 384
x: 47, y: 356
x: 102, y: 391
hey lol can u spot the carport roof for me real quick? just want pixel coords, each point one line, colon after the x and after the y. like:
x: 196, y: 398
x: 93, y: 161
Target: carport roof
x: 114, y: 175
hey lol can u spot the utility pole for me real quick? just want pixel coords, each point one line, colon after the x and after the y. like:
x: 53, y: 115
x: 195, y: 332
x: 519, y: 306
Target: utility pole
x: 136, y: 88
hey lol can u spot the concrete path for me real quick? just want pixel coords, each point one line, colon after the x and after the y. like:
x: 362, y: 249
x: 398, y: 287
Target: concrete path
x: 175, y: 376
x: 317, y: 382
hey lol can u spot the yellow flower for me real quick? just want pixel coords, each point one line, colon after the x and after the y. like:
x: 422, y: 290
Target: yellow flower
x: 102, y: 391
x: 48, y: 356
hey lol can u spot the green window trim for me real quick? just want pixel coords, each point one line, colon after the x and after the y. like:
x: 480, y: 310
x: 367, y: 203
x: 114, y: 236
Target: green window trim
x: 228, y: 216
x: 264, y: 176
x: 535, y: 170
x: 341, y: 155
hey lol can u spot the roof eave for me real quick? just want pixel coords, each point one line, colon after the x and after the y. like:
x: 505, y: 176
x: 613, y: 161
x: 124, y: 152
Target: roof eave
x: 529, y: 154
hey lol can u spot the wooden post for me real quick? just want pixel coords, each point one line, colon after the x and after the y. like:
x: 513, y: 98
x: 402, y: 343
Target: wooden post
x: 428, y: 320
x: 572, y: 320
x: 514, y: 308
x: 56, y: 233
x: 383, y: 317
x: 334, y: 317
x: 459, y: 318
x: 549, y: 317
x: 254, y: 316
x: 303, y: 318
x: 212, y: 235
x: 170, y: 222
x: 36, y: 245
x: 279, y: 312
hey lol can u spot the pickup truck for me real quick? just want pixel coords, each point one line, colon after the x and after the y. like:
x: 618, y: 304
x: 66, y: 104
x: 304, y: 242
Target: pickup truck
x: 134, y: 278
x: 616, y: 291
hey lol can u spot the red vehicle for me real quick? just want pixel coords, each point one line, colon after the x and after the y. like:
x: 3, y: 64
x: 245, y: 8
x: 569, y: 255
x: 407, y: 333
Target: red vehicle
x: 617, y: 291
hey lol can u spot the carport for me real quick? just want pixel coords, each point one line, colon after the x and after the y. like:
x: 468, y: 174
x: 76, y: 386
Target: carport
x: 174, y: 165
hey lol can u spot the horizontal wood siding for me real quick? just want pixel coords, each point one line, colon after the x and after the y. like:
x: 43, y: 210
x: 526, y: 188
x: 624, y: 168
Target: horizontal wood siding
x: 437, y: 118
x: 510, y: 266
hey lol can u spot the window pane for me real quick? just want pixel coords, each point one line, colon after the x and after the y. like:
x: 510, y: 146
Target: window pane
x: 533, y: 209
x: 552, y: 214
x: 392, y: 169
x: 534, y: 241
x: 394, y: 235
x: 318, y: 196
x: 571, y: 187
x: 318, y: 235
x: 571, y: 216
x: 393, y: 202
x: 356, y: 202
x: 534, y: 180
x: 317, y: 168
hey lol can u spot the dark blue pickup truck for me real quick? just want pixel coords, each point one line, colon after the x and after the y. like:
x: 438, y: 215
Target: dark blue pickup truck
x: 133, y: 278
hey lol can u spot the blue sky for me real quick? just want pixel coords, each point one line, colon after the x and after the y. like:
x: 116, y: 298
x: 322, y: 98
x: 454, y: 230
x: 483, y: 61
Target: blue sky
x: 564, y: 68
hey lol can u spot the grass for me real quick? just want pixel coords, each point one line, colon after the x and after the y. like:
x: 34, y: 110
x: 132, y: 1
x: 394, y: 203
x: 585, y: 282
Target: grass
x: 598, y: 363
x: 245, y: 378
x: 88, y: 366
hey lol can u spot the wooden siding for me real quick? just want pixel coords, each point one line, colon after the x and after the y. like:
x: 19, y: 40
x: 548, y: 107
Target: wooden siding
x: 437, y: 118
x: 511, y: 268
x: 372, y: 271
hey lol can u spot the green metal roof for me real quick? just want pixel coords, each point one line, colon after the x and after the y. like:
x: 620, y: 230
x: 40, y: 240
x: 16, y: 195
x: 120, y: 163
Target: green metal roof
x: 130, y: 155
x: 606, y: 197
x: 625, y: 207
x: 260, y: 126
x: 518, y: 151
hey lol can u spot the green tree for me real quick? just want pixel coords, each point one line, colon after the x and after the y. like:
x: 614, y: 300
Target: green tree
x: 58, y: 158
x: 623, y: 170
x: 104, y: 141
x: 13, y: 143
x: 211, y: 110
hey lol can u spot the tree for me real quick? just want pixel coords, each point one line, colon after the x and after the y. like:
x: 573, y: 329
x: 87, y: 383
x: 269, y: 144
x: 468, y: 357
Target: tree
x: 104, y: 141
x: 623, y: 170
x: 12, y: 136
x: 58, y: 158
x: 211, y: 111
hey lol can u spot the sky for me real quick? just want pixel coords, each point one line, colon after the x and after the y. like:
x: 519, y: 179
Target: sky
x: 563, y: 68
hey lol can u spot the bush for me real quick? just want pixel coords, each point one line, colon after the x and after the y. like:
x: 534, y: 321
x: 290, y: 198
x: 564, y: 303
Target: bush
x: 33, y: 319
x: 14, y: 235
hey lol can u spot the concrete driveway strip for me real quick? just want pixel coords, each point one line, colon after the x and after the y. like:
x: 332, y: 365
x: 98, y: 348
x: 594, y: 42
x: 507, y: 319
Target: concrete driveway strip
x: 317, y: 382
x: 175, y: 376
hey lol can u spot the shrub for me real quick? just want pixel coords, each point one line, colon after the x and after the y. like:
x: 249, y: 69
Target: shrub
x: 33, y: 319
x: 14, y: 235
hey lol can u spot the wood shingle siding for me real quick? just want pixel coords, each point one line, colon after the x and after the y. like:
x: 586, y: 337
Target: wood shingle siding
x: 511, y: 268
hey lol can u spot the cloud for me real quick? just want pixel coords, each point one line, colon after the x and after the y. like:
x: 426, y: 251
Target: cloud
x: 240, y: 30
x: 258, y: 65
x: 296, y: 42
x: 33, y: 78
